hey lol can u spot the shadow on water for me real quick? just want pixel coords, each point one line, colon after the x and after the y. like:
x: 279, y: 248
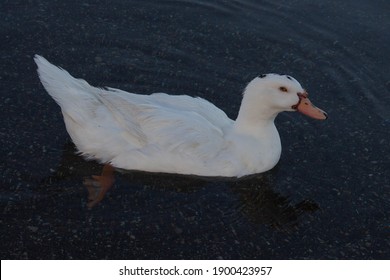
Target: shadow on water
x: 253, y: 196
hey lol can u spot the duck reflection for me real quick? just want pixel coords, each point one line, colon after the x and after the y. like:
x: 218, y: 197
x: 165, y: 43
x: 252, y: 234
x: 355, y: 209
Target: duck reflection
x: 262, y: 205
x: 254, y: 195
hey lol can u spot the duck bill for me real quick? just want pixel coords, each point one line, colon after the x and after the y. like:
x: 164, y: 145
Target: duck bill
x: 307, y: 108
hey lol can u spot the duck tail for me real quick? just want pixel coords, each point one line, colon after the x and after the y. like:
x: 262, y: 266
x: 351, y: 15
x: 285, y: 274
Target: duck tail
x: 61, y: 85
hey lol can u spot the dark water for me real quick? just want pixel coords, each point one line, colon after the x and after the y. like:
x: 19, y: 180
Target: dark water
x: 328, y: 198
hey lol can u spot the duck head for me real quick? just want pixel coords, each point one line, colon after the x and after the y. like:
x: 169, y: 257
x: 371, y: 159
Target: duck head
x: 269, y: 94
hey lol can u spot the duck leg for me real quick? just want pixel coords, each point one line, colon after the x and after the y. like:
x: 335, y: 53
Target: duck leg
x: 97, y: 186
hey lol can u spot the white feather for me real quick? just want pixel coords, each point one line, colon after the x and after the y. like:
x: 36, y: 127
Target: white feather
x: 166, y: 133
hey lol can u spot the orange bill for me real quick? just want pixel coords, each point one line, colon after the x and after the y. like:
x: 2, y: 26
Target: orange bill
x: 307, y: 108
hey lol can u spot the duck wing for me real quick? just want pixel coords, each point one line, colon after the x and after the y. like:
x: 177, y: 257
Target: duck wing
x: 179, y: 124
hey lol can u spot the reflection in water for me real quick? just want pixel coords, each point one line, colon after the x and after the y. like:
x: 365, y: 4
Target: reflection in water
x: 254, y: 197
x: 262, y: 205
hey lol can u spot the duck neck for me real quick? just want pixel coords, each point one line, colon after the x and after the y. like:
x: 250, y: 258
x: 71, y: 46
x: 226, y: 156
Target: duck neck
x: 254, y: 118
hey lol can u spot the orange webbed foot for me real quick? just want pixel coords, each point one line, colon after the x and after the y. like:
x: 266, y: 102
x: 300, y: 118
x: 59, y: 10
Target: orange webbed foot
x: 97, y: 186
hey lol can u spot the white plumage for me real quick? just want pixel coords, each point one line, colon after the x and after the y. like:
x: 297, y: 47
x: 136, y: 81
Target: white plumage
x: 173, y: 134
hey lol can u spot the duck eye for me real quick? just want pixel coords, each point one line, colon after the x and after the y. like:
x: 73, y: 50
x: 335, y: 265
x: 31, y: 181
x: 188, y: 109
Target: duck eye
x: 284, y: 89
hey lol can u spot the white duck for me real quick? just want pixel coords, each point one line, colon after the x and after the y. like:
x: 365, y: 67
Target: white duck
x: 176, y: 133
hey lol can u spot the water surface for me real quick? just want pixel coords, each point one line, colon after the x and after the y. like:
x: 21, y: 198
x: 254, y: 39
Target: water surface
x: 328, y: 198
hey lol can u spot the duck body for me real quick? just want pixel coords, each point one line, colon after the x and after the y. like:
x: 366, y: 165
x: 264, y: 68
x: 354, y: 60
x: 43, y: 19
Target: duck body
x: 168, y: 133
